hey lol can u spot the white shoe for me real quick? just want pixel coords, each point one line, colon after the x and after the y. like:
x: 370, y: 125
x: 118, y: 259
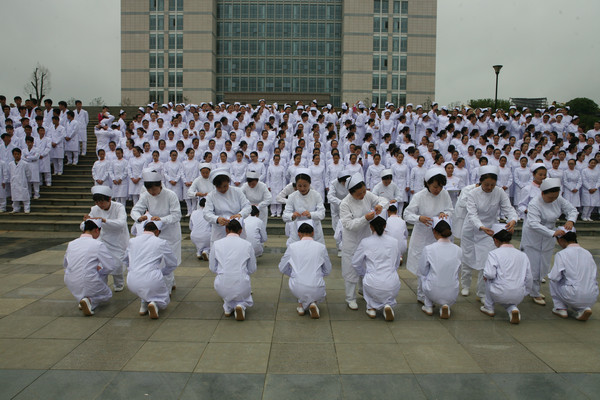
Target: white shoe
x: 198, y: 256
x: 352, y: 305
x: 153, y: 310
x: 36, y: 197
x: 515, y: 316
x: 371, y: 313
x: 445, y: 312
x: 300, y: 310
x: 60, y: 173
x: 539, y: 301
x: 27, y: 211
x: 187, y: 215
x: 339, y: 253
x: 227, y: 313
x: 86, y: 306
x: 119, y: 288
x: 388, y: 313
x: 487, y: 311
x: 144, y: 308
x: 204, y: 256
x: 584, y: 315
x: 240, y: 314
x: 427, y: 310
x: 561, y: 312
x: 464, y: 292
x: 314, y: 311
x: 543, y: 280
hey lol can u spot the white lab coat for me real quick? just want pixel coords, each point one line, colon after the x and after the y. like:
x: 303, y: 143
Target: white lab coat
x: 571, y: 180
x: 82, y: 277
x: 508, y: 275
x: 376, y: 259
x: 460, y: 211
x: 200, y: 231
x: 57, y: 136
x: 260, y: 196
x: 232, y: 259
x: 590, y: 180
x: 573, y: 278
x: 426, y: 204
x: 306, y: 262
x: 200, y: 185
x: 150, y: 261
x: 114, y: 233
x: 166, y: 206
x: 101, y: 171
x: 225, y: 205
x: 389, y: 192
x: 256, y: 233
x: 275, y: 180
x: 72, y: 132
x: 134, y: 170
x: 337, y: 192
x: 311, y: 202
x: 396, y: 228
x: 355, y: 228
x: 43, y: 147
x: 438, y: 272
x: 118, y: 170
x: 32, y: 158
x: 19, y: 176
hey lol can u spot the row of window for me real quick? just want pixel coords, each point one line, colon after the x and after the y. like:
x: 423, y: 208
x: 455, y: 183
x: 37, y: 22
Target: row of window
x: 277, y: 84
x: 157, y: 41
x: 380, y: 62
x: 157, y: 60
x: 300, y: 10
x: 380, y: 82
x: 279, y: 48
x: 399, y: 44
x: 381, y: 98
x: 157, y: 79
x: 157, y: 22
x: 380, y: 24
x: 329, y: 30
x: 159, y: 5
x: 383, y: 6
x: 279, y: 66
x: 158, y: 96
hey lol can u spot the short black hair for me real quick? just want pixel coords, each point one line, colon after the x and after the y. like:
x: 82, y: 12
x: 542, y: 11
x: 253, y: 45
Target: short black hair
x: 100, y: 197
x: 305, y: 229
x: 255, y: 211
x: 234, y: 226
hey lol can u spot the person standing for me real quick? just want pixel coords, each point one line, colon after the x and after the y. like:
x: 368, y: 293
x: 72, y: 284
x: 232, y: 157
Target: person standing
x: 72, y: 139
x: 19, y: 175
x: 83, y: 119
x: 57, y: 153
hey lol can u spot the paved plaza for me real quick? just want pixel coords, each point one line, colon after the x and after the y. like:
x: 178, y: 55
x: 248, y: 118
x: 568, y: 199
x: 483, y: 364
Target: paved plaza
x: 49, y: 350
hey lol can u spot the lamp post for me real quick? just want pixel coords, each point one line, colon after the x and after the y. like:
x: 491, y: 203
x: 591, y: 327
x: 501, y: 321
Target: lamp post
x: 497, y: 69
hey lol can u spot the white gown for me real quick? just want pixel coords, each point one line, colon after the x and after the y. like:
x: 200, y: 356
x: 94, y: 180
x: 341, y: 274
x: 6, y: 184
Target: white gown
x: 311, y: 202
x: 573, y: 278
x: 376, y: 259
x: 508, y: 275
x: 256, y: 233
x: 232, y: 259
x: 396, y: 228
x: 460, y: 211
x: 118, y: 170
x: 82, y: 278
x: 572, y: 180
x: 306, y: 262
x: 200, y: 231
x: 259, y: 196
x: 438, y: 272
x: 150, y: 262
x: 225, y: 205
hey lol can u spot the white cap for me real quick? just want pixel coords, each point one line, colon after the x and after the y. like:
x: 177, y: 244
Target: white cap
x: 313, y: 109
x: 300, y: 107
x: 565, y: 230
x: 431, y: 172
x: 344, y: 107
x: 488, y: 169
x: 304, y: 171
x: 97, y: 221
x: 342, y: 173
x: 158, y: 224
x: 142, y: 109
x: 123, y: 111
x: 498, y: 227
x: 252, y: 175
x: 204, y: 165
x: 308, y: 221
x: 354, y: 180
x: 537, y: 166
x: 434, y: 104
x: 409, y: 105
x: 550, y: 183
x: 218, y: 172
x: 419, y: 106
x: 101, y: 189
x: 386, y: 172
x: 373, y: 105
x: 387, y: 111
x: 151, y: 176
x: 437, y: 220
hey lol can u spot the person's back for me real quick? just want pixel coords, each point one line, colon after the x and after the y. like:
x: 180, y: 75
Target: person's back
x: 396, y: 228
x: 256, y: 233
x: 579, y: 273
x: 146, y: 253
x: 381, y: 264
x: 443, y: 258
x: 200, y: 231
x: 508, y: 270
x: 307, y: 259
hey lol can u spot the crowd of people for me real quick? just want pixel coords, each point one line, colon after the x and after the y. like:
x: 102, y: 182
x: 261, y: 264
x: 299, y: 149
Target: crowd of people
x: 460, y: 171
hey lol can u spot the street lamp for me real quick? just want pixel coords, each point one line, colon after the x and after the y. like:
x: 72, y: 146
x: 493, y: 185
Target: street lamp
x: 497, y: 69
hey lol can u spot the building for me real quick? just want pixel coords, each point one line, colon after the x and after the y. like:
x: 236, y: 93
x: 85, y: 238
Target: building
x: 340, y: 50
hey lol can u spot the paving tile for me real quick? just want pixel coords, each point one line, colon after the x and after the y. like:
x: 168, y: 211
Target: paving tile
x: 371, y: 359
x: 32, y: 291
x: 9, y: 306
x: 145, y: 385
x: 439, y: 358
x: 421, y: 332
x: 459, y: 386
x: 541, y: 331
x: 14, y: 326
x: 588, y: 384
x: 302, y: 330
x: 265, y: 295
x: 341, y: 312
x: 13, y: 281
x: 480, y: 331
x: 265, y: 283
x: 381, y: 387
x: 202, y: 294
x: 66, y: 385
x: 506, y: 358
x: 103, y: 355
x: 291, y: 387
x: 373, y: 331
x: 46, y: 257
x: 34, y: 353
x: 197, y: 272
x: 70, y: 328
x: 585, y: 332
x: 224, y: 386
x: 234, y: 358
x: 14, y: 381
x: 536, y: 386
x: 166, y: 356
x: 185, y: 330
x: 140, y: 328
x: 568, y: 357
x: 232, y: 331
x: 198, y: 309
x: 295, y: 358
x: 60, y: 294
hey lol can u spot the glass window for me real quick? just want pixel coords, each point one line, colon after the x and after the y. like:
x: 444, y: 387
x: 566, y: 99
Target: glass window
x: 394, y: 82
x: 404, y: 7
x: 402, y: 99
x: 396, y: 25
x: 261, y: 11
x: 321, y: 30
x: 395, y: 99
x: 403, y: 44
x: 377, y: 6
x: 375, y: 98
x: 395, y: 63
x: 175, y: 60
x: 384, y: 43
x: 157, y: 23
x: 376, y: 24
x: 176, y: 41
x: 176, y: 22
x: 396, y: 6
x: 175, y: 5
x: 396, y: 44
x: 157, y: 96
x: 402, y: 82
x: 404, y: 25
x: 157, y: 79
x: 375, y: 82
x: 383, y: 82
x: 385, y: 6
x: 157, y: 41
x: 384, y: 62
x: 376, y: 43
x: 375, y: 63
x: 384, y: 24
x: 175, y: 79
x: 402, y: 63
x: 157, y: 5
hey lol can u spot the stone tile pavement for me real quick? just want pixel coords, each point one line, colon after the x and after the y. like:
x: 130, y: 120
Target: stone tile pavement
x: 49, y: 350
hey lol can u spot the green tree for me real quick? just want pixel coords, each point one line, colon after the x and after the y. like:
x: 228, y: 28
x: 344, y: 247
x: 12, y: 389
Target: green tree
x: 489, y: 103
x: 586, y: 109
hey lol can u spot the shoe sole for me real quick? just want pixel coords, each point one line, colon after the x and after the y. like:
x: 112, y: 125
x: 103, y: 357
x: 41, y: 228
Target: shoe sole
x: 585, y: 316
x: 562, y: 316
x: 541, y: 302
x: 372, y: 316
x: 152, y: 311
x: 143, y: 313
x: 204, y: 257
x: 464, y: 294
x: 85, y: 308
x: 487, y: 313
x: 353, y: 309
x: 445, y: 313
x: 388, y: 313
x: 514, y: 317
x: 239, y: 313
x: 427, y: 313
x: 314, y: 311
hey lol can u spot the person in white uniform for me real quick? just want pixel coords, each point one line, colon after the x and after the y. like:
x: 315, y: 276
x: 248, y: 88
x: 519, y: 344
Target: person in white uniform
x: 306, y: 262
x: 232, y: 260
x: 200, y: 231
x: 539, y: 231
x: 164, y: 206
x: 258, y: 194
x: 357, y: 209
x: 388, y: 189
x: 438, y: 269
x: 256, y: 231
x: 573, y: 278
x: 376, y: 260
x: 432, y: 201
x: 336, y: 193
x: 115, y: 233
x: 18, y: 175
x: 396, y: 228
x: 202, y: 185
x: 87, y: 263
x: 507, y: 275
x: 483, y: 206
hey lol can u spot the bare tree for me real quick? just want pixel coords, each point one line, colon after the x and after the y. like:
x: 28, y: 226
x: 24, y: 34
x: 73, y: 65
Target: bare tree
x: 97, y: 101
x: 126, y: 102
x: 39, y: 83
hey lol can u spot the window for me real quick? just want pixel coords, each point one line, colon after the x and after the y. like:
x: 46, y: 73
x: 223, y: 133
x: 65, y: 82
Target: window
x: 404, y: 44
x: 175, y: 5
x: 176, y: 96
x: 157, y: 79
x: 396, y: 6
x: 396, y: 44
x: 376, y: 24
x: 394, y: 82
x: 157, y: 41
x: 156, y: 60
x: 157, y: 23
x: 176, y: 22
x: 385, y: 6
x: 176, y: 79
x: 396, y: 24
x: 175, y: 60
x: 404, y: 25
x: 404, y: 7
x: 157, y: 96
x: 402, y: 63
x: 384, y: 43
x: 375, y: 63
x: 176, y: 41
x: 377, y: 6
x: 375, y: 82
x: 157, y: 5
x: 395, y: 63
x: 402, y: 82
x: 376, y: 43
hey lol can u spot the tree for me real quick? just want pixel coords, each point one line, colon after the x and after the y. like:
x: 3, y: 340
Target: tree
x: 125, y: 102
x: 586, y: 109
x: 97, y: 101
x: 71, y: 102
x: 39, y: 83
x: 489, y: 103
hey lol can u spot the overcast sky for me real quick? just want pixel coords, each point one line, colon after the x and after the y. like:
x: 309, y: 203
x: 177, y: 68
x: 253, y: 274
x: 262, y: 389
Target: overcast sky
x: 549, y: 48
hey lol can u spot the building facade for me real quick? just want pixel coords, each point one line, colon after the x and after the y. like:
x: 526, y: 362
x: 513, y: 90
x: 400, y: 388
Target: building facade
x: 340, y: 50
